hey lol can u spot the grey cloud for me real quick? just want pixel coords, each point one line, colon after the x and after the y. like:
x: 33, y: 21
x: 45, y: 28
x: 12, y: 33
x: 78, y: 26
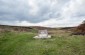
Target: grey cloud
x: 18, y: 10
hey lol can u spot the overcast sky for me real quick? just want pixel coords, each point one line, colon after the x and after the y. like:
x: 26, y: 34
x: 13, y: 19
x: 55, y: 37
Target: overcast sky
x: 49, y: 13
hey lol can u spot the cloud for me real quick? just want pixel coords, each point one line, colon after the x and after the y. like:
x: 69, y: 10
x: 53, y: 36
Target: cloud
x: 74, y: 8
x: 49, y: 13
x: 30, y: 10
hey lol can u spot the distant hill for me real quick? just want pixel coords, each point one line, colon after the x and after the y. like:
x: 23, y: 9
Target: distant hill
x: 29, y: 28
x: 22, y: 28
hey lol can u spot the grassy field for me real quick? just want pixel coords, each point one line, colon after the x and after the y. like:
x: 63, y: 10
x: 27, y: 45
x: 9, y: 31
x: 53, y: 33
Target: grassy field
x: 12, y: 43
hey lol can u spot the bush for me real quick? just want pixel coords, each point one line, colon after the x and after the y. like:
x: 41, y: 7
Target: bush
x: 80, y: 30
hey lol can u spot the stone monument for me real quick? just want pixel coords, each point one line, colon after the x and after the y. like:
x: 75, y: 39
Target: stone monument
x: 43, y: 34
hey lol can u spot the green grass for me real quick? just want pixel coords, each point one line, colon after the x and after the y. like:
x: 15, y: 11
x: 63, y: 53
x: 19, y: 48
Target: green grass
x: 23, y: 44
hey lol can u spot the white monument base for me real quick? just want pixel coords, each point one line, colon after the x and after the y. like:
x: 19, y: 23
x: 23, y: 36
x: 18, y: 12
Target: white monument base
x: 49, y: 36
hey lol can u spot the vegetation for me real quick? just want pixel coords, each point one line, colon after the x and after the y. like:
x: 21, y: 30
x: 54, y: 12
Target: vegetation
x: 80, y: 30
x: 12, y: 43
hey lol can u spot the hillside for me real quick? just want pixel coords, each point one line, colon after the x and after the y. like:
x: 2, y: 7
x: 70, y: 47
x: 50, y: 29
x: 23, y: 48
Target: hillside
x: 22, y: 28
x: 31, y: 28
x: 23, y: 43
x: 20, y: 41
